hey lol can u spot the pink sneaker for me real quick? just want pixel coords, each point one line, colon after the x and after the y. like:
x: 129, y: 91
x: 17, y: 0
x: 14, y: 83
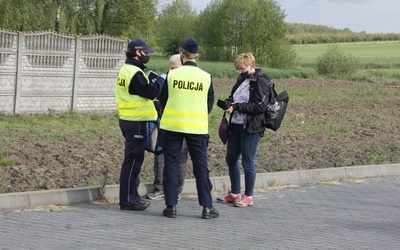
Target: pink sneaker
x: 229, y: 198
x: 245, y: 201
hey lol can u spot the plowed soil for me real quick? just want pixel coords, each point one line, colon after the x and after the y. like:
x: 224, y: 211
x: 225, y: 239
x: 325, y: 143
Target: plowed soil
x: 313, y: 135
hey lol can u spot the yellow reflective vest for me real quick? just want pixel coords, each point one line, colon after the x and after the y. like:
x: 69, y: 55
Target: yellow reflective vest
x: 132, y: 107
x: 186, y: 108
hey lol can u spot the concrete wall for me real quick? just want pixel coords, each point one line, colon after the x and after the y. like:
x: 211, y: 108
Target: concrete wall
x: 44, y: 71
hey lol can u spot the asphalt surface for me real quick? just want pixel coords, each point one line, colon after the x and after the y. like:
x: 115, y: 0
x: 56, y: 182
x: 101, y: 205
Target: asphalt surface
x: 350, y: 214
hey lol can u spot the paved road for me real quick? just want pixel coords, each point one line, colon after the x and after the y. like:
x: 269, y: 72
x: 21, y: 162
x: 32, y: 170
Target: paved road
x: 359, y: 214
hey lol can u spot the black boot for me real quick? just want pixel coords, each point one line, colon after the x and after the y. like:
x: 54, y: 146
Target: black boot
x: 170, y: 211
x: 138, y: 206
x: 210, y: 212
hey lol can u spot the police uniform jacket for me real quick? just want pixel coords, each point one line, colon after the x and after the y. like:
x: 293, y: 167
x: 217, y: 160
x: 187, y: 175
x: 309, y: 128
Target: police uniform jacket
x: 139, y: 86
x: 183, y: 87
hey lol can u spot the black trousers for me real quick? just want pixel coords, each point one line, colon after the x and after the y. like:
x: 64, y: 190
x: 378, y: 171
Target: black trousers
x: 135, y: 140
x: 197, y: 147
x: 159, y: 169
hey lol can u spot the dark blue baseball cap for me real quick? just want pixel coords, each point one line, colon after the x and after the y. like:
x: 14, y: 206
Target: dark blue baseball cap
x: 139, y: 44
x: 191, y: 46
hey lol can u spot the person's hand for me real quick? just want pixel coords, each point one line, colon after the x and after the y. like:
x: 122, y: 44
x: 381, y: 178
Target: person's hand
x: 229, y: 110
x: 228, y: 103
x: 157, y: 104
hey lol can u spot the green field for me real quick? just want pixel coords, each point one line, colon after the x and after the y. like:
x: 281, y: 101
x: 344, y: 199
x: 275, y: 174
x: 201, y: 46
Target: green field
x: 159, y: 64
x: 379, y: 62
x: 371, y: 54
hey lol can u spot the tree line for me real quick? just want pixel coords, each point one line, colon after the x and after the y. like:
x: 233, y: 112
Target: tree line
x: 224, y: 28
x: 80, y: 17
x: 314, y: 34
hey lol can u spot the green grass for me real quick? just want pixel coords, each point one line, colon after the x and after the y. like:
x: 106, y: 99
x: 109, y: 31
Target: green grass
x: 54, y: 125
x: 159, y: 64
x: 321, y: 94
x: 372, y: 55
x: 5, y: 162
x: 379, y: 61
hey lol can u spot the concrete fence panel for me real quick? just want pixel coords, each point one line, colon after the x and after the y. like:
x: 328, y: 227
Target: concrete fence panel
x: 42, y: 71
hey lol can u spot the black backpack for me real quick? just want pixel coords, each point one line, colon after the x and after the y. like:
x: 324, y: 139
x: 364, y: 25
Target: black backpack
x: 276, y: 109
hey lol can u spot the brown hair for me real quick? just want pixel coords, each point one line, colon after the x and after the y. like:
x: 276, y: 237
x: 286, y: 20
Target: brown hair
x: 188, y: 55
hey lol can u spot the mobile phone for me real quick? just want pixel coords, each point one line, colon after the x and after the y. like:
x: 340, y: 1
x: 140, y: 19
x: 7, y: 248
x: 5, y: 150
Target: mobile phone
x: 222, y: 104
x: 152, y: 76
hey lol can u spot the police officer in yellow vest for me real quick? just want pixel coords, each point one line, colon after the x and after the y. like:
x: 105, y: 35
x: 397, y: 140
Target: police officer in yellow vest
x: 187, y: 97
x: 134, y: 95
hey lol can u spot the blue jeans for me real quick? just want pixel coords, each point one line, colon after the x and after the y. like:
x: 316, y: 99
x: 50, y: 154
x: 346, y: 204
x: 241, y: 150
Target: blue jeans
x: 242, y: 143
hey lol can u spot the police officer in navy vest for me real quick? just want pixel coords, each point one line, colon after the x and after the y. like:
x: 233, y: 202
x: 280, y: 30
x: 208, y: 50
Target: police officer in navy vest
x: 134, y: 97
x: 187, y: 98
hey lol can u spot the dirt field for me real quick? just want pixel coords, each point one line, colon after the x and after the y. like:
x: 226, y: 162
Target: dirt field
x: 314, y: 135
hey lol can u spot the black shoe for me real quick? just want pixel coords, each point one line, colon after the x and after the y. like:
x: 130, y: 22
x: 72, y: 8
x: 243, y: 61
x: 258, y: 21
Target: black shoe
x: 170, y: 211
x: 210, y: 212
x: 138, y: 206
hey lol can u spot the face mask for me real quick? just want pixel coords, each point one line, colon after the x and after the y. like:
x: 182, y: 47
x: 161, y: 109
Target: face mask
x: 144, y: 59
x: 245, y: 74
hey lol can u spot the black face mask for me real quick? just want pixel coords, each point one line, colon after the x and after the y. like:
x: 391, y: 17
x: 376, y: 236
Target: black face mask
x: 144, y: 59
x: 245, y: 74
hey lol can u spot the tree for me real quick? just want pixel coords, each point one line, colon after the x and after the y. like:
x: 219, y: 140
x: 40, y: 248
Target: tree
x: 27, y: 15
x: 174, y: 24
x: 128, y: 18
x: 208, y: 29
x: 245, y: 26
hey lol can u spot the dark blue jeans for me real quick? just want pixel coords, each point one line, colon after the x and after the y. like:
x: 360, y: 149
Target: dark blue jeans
x: 245, y: 144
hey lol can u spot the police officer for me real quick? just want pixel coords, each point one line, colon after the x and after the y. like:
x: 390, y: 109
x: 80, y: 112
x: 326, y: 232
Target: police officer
x: 187, y: 97
x: 134, y: 95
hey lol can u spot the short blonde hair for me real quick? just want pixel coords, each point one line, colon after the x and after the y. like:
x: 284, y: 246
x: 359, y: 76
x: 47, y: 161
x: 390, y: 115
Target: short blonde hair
x: 244, y: 59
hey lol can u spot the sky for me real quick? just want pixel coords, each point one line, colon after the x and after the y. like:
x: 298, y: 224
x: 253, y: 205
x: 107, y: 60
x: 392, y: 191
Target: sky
x: 371, y: 16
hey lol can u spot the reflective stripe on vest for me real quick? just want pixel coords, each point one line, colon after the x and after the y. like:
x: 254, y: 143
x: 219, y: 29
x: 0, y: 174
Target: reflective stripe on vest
x: 132, y: 107
x: 186, y: 110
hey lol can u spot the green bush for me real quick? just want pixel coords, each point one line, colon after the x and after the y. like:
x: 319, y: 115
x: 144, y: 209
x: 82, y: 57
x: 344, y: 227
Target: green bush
x: 279, y: 54
x: 336, y: 64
